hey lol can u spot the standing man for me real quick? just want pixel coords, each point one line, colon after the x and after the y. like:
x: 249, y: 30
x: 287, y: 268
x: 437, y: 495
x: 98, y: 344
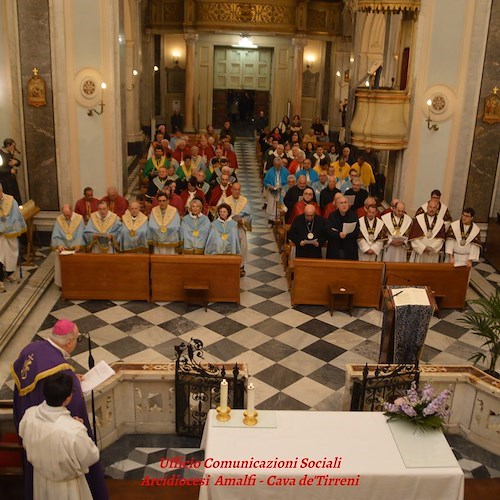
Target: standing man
x: 116, y: 203
x: 358, y: 192
x: 463, y: 240
x: 442, y: 209
x: 12, y: 225
x: 274, y: 182
x: 49, y: 426
x: 86, y: 205
x: 240, y: 209
x: 35, y: 363
x: 133, y: 236
x: 427, y: 235
x: 8, y: 169
x: 308, y: 234
x: 66, y: 235
x: 164, y: 227
x: 195, y: 228
x: 398, y: 225
x: 342, y: 229
x: 101, y: 233
x: 372, y: 235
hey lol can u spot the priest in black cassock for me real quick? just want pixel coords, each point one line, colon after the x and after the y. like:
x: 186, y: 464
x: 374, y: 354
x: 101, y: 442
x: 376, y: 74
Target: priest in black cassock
x: 308, y: 233
x: 342, y: 243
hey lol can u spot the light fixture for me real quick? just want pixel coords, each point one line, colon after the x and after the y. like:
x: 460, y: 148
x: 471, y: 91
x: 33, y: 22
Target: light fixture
x: 351, y: 59
x: 135, y: 72
x: 430, y: 124
x: 155, y: 68
x: 338, y: 73
x: 100, y: 111
x: 367, y: 83
x: 309, y: 61
x: 245, y: 42
x: 176, y: 57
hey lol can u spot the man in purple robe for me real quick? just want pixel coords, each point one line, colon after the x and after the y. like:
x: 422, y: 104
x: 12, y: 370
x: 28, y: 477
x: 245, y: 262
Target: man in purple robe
x: 37, y: 361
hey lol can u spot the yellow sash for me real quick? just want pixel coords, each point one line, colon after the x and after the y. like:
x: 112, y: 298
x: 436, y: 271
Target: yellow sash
x: 165, y: 220
x: 7, y: 201
x: 72, y: 226
x: 103, y: 226
x: 131, y: 224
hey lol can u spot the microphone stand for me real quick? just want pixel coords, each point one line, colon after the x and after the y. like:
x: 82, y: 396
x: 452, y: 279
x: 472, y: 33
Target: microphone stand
x: 92, y: 402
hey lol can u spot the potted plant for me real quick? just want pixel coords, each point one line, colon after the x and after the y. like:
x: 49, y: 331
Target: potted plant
x: 484, y: 321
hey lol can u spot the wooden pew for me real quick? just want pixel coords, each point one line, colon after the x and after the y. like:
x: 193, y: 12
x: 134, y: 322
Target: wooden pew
x: 448, y: 283
x: 100, y: 277
x: 170, y: 274
x: 313, y: 277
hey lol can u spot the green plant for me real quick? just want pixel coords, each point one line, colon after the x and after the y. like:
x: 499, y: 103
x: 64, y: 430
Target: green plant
x: 484, y: 321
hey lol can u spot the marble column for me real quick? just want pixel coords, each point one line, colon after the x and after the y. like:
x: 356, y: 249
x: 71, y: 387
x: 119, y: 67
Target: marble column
x: 34, y: 46
x: 191, y: 39
x: 298, y: 64
x: 484, y: 157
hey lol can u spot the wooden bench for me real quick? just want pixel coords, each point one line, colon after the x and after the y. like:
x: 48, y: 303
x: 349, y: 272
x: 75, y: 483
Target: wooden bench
x: 313, y: 278
x: 171, y: 273
x: 87, y: 276
x: 447, y: 283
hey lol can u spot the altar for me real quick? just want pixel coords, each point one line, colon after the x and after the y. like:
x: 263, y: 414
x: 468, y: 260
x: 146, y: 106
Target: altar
x: 315, y: 455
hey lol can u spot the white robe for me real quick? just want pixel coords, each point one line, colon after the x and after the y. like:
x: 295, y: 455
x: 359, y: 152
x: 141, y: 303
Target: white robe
x: 420, y: 244
x: 60, y: 451
x: 470, y: 251
x: 391, y: 252
x: 364, y: 243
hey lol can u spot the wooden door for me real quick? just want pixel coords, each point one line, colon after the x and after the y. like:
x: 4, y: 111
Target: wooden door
x: 219, y: 110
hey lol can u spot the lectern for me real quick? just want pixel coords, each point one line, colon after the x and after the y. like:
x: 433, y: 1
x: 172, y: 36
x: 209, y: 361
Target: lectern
x: 407, y: 313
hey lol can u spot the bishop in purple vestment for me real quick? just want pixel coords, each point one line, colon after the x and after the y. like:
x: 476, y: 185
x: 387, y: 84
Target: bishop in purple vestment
x: 37, y: 361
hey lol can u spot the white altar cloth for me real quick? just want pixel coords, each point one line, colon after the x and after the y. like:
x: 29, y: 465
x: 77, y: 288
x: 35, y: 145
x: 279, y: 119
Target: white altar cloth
x: 371, y: 465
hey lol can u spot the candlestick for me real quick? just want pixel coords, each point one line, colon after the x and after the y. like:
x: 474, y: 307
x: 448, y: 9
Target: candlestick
x: 250, y: 398
x: 223, y: 393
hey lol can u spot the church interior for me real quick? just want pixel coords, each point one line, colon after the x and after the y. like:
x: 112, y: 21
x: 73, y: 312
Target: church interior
x: 85, y: 85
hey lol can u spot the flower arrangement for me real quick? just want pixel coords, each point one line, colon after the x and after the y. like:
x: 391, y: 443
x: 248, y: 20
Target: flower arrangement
x: 425, y: 409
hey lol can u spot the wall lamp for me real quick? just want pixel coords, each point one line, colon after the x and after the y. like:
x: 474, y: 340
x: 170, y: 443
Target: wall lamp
x: 100, y: 111
x: 176, y: 57
x: 430, y: 124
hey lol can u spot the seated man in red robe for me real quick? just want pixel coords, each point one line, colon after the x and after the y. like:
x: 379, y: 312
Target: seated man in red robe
x: 116, y: 203
x: 86, y: 205
x: 219, y: 193
x: 332, y: 206
x: 307, y: 199
x: 174, y: 201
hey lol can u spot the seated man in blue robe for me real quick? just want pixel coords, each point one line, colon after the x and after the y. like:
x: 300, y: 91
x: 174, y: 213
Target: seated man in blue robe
x: 133, y: 237
x: 102, y: 230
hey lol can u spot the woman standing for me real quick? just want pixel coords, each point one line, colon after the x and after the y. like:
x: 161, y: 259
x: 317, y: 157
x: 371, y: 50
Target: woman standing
x: 223, y: 238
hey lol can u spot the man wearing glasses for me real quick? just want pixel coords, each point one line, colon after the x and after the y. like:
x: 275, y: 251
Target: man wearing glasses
x: 36, y: 362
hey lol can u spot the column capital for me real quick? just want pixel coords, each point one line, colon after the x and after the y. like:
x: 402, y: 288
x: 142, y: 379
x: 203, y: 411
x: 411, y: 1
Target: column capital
x: 299, y: 42
x: 191, y: 38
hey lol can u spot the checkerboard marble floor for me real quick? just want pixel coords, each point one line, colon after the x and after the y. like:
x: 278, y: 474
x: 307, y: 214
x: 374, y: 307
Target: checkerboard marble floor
x: 296, y: 356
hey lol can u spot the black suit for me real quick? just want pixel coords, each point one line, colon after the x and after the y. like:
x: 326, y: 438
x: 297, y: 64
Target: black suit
x: 339, y: 248
x: 292, y: 196
x: 326, y: 196
x: 361, y: 196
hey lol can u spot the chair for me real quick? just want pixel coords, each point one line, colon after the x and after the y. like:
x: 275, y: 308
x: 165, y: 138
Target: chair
x: 197, y: 388
x: 382, y: 383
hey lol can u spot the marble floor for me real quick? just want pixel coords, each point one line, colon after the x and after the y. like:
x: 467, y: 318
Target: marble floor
x: 296, y: 356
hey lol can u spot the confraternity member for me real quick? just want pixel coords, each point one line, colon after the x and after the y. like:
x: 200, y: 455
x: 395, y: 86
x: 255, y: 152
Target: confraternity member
x: 133, y: 235
x: 274, y: 181
x: 163, y: 228
x: 86, y: 205
x: 12, y: 225
x: 35, y: 363
x: 342, y: 230
x: 223, y: 237
x: 116, y: 203
x: 101, y: 233
x: 427, y: 235
x: 398, y: 226
x: 372, y: 234
x: 195, y: 227
x: 463, y: 240
x: 308, y: 233
x: 240, y: 209
x: 442, y: 210
x: 66, y: 235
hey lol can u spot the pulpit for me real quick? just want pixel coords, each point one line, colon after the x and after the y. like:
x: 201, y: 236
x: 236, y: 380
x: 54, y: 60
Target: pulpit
x: 407, y: 313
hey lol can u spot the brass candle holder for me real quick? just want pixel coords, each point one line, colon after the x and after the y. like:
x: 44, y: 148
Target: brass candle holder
x: 250, y: 418
x: 223, y: 414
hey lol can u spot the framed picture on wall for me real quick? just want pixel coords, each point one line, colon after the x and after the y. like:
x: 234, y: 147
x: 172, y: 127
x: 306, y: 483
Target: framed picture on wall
x: 176, y: 80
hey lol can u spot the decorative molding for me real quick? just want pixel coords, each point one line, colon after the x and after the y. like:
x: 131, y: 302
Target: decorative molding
x: 443, y: 102
x: 389, y: 6
x: 88, y: 87
x: 324, y: 18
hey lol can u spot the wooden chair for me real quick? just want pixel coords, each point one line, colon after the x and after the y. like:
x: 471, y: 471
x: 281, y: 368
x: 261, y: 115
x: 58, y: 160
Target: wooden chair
x: 382, y: 383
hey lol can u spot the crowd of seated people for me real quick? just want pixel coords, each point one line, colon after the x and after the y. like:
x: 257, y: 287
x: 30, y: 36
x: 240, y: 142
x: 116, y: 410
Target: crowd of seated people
x: 325, y: 198
x: 191, y: 203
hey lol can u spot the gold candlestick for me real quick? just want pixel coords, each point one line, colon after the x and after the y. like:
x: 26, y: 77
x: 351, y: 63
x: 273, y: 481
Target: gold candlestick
x: 223, y: 414
x: 250, y: 418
